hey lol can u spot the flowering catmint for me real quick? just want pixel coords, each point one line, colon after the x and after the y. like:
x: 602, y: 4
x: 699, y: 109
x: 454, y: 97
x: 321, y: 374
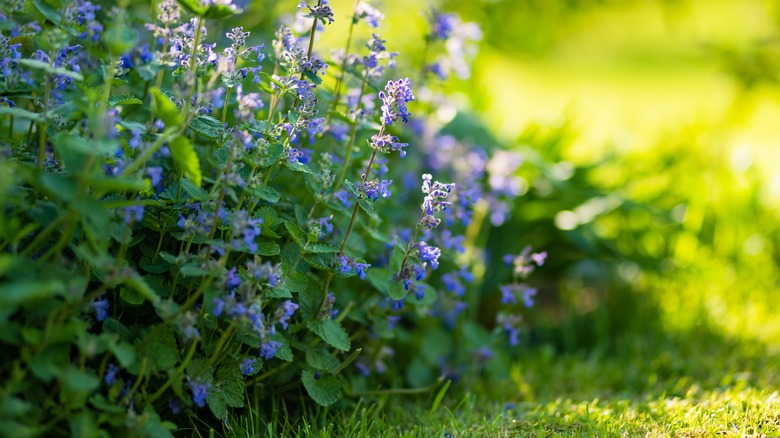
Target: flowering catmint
x: 347, y: 265
x: 175, y: 406
x: 321, y: 11
x: 110, y: 377
x: 100, y: 306
x: 433, y: 201
x: 265, y: 272
x: 428, y: 254
x: 200, y: 391
x: 394, y: 99
x: 442, y: 24
x: 388, y: 143
x: 376, y: 188
x: 248, y: 366
x: 284, y: 312
x: 133, y: 214
x: 268, y: 348
x: 369, y: 14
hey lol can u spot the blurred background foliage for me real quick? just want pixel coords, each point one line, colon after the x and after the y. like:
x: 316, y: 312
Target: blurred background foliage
x: 649, y: 132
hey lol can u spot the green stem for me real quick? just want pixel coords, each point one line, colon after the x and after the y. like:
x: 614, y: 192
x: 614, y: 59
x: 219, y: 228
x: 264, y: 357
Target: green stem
x: 225, y: 107
x: 343, y: 63
x: 351, y: 142
x: 193, y: 72
x: 179, y: 371
x: 43, y: 126
x: 147, y: 154
x: 221, y: 343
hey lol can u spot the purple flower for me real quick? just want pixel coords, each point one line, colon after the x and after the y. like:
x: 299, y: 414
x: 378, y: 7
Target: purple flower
x: 248, y: 366
x: 343, y: 196
x: 371, y: 16
x: 101, y: 309
x: 388, y: 143
x: 429, y: 254
x: 200, y: 391
x: 268, y: 349
x: 442, y: 25
x: 284, y: 312
x: 394, y: 99
x: 155, y: 174
x: 539, y: 258
x: 110, y: 376
x: 133, y: 214
x: 219, y: 306
x: 174, y: 405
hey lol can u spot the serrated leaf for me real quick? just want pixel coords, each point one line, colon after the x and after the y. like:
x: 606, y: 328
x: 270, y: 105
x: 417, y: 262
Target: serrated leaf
x: 396, y: 289
x: 265, y: 193
x: 267, y: 248
x: 324, y: 389
x: 186, y: 158
x: 321, y: 359
x: 298, y: 167
x: 366, y: 205
x: 321, y: 261
x: 207, y: 126
x: 164, y: 108
x: 227, y: 389
x: 331, y: 332
x: 296, y: 233
x: 124, y: 99
x: 312, y: 76
x: 197, y: 193
x: 295, y: 282
x: 309, y: 301
x: 159, y: 346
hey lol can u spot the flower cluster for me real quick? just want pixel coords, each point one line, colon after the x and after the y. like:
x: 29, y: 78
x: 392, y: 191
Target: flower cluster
x: 394, y: 99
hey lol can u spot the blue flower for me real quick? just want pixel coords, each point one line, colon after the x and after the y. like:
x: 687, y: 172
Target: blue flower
x: 101, y: 309
x: 284, y: 312
x: 268, y: 349
x: 370, y: 15
x: 133, y: 213
x: 429, y: 254
x: 394, y: 99
x: 110, y: 376
x: 200, y: 391
x: 248, y: 366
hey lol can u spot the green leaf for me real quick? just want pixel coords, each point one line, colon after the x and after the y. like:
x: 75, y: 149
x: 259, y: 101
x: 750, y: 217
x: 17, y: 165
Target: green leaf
x: 396, y: 289
x: 137, y: 283
x: 321, y: 261
x: 194, y: 6
x: 309, y: 301
x: 164, y: 108
x: 49, y: 12
x: 22, y: 114
x: 331, y: 332
x: 124, y: 353
x: 118, y: 184
x: 296, y: 233
x: 295, y: 282
x: 196, y: 193
x: 312, y: 76
x: 207, y: 126
x: 124, y: 99
x: 130, y: 296
x: 324, y: 389
x: 193, y: 269
x: 366, y: 205
x: 265, y: 193
x: 120, y: 38
x: 186, y: 158
x: 29, y: 291
x: 267, y: 248
x: 321, y: 359
x: 38, y: 65
x: 298, y: 167
x: 320, y: 248
x: 227, y: 390
x: 159, y: 346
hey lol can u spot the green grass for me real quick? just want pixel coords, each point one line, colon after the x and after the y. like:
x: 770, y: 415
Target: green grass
x: 683, y: 385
